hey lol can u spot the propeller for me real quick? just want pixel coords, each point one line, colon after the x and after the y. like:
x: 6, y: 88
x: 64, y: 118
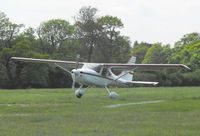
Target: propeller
x: 77, y: 60
x: 73, y: 74
x: 73, y: 81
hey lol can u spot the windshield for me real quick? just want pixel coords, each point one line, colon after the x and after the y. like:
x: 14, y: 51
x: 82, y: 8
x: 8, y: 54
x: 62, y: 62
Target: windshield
x: 93, y: 66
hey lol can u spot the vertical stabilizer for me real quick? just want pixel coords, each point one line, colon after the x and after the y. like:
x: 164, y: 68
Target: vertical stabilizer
x: 125, y: 73
x: 132, y: 60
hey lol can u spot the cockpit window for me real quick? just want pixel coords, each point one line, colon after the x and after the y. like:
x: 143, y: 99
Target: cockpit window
x: 95, y: 67
x: 104, y: 72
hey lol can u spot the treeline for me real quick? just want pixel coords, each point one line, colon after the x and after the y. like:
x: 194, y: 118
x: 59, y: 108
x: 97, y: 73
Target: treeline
x: 95, y: 39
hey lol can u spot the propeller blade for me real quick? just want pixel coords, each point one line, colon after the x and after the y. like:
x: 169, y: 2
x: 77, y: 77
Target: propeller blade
x: 73, y: 81
x: 73, y: 85
x: 77, y: 60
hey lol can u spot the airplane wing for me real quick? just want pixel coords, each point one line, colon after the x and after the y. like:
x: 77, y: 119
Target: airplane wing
x: 70, y: 63
x: 144, y: 67
x: 138, y: 67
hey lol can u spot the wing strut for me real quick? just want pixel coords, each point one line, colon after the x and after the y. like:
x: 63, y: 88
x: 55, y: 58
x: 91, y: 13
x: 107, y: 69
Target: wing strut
x: 62, y: 68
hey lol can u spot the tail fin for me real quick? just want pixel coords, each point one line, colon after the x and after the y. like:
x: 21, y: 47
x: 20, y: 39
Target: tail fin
x: 125, y: 73
x: 132, y: 60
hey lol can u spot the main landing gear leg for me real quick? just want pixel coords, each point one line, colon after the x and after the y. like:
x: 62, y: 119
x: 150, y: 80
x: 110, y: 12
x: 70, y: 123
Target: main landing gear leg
x: 111, y: 94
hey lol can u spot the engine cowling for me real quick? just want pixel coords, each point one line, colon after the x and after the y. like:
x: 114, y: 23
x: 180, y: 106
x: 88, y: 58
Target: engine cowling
x: 79, y: 92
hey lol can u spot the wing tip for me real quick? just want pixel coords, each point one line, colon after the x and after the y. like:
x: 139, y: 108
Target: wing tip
x: 186, y: 67
x: 155, y: 83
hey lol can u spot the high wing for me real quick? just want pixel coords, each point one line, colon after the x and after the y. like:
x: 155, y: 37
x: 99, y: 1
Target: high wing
x: 144, y: 67
x: 64, y: 65
x: 58, y: 62
x: 137, y: 67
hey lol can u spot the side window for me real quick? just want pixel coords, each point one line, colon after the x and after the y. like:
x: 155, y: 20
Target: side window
x: 104, y: 72
x: 108, y: 74
x: 98, y: 69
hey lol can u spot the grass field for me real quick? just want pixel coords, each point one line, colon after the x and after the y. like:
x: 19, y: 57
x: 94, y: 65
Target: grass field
x: 56, y: 112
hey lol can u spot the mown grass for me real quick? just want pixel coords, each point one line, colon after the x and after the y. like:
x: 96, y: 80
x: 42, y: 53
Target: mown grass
x: 56, y: 112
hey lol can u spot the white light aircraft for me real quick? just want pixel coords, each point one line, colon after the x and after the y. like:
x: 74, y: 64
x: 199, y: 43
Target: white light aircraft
x: 101, y: 74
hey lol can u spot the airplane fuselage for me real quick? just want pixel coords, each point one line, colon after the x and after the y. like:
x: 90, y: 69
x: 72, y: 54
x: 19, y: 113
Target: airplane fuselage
x: 91, y: 77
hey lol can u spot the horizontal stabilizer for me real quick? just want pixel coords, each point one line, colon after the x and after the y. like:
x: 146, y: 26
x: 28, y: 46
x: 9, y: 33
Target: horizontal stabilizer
x: 142, y: 82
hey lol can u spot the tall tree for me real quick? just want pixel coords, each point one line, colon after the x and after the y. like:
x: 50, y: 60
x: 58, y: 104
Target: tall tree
x: 87, y: 29
x: 188, y: 39
x: 110, y: 25
x: 53, y: 33
x: 4, y: 21
x: 110, y: 32
x: 8, y: 33
x: 8, y: 30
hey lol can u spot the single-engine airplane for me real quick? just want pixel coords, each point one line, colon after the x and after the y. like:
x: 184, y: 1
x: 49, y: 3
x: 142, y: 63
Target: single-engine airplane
x: 101, y: 74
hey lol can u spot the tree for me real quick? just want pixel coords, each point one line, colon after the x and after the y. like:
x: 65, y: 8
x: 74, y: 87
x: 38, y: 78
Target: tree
x: 188, y: 39
x: 68, y: 50
x: 4, y: 20
x: 53, y: 33
x: 121, y: 49
x: 109, y: 25
x: 16, y: 71
x: 87, y: 29
x: 157, y: 54
x: 109, y: 33
x: 188, y: 54
x: 139, y: 50
x: 8, y: 31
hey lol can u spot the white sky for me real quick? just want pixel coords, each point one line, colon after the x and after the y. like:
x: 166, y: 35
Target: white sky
x: 151, y: 21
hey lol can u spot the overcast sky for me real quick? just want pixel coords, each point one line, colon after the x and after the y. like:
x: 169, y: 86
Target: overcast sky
x: 151, y: 21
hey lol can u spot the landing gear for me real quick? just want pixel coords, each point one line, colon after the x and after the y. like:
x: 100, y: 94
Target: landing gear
x: 80, y: 92
x: 111, y: 94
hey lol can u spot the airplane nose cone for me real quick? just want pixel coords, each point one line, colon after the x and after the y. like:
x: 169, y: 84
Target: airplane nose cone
x: 75, y: 72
